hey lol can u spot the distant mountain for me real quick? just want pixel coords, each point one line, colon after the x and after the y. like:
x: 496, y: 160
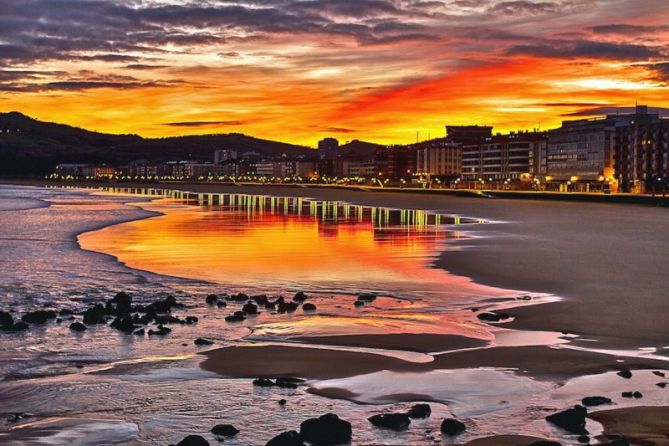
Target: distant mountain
x: 32, y: 147
x: 359, y: 148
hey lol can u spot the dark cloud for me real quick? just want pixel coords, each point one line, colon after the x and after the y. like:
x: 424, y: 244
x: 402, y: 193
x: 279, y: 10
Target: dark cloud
x: 202, y: 123
x: 613, y: 110
x: 339, y: 130
x: 141, y: 66
x: 574, y: 104
x: 588, y: 49
x: 622, y: 29
x: 524, y: 7
x: 661, y: 71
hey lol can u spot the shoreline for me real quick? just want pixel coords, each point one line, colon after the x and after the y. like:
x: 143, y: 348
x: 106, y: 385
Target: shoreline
x: 574, y: 197
x: 593, y: 304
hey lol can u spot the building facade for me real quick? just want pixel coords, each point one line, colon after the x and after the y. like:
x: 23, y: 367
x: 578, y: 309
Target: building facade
x: 441, y: 158
x: 518, y: 156
x: 641, y: 153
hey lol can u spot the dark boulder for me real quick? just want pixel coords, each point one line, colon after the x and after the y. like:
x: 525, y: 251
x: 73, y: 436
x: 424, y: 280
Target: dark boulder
x: 300, y: 297
x: 491, y: 317
x: 190, y: 320
x: 225, y: 430
x: 77, y: 326
x: 18, y: 326
x: 359, y: 303
x: 95, y: 315
x: 240, y: 297
x: 211, y: 299
x: 221, y: 304
x: 163, y: 305
x: 193, y: 440
x: 572, y: 420
x: 263, y: 382
x: 203, y: 341
x: 124, y: 324
x: 326, y: 430
x: 661, y: 385
x: 309, y: 307
x: 282, y: 402
x: 250, y: 308
x: 6, y: 319
x: 452, y: 427
x: 122, y: 303
x: 139, y: 332
x: 595, y: 400
x: 635, y: 394
x: 394, y: 421
x: 286, y: 307
x: 366, y: 297
x: 289, y: 438
x: 420, y: 411
x: 627, y: 374
x: 234, y: 318
x: 38, y: 317
x: 660, y: 374
x: 260, y: 299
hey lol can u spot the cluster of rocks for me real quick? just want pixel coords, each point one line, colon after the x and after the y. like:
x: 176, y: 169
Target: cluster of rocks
x: 401, y: 420
x: 326, y: 430
x: 252, y: 304
x: 220, y: 431
x: 118, y: 312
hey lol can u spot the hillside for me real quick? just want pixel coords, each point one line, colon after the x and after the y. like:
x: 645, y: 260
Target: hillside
x: 32, y: 147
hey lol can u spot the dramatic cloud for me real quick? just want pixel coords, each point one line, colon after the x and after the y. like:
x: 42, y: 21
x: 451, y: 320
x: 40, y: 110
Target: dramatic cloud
x: 304, y: 69
x: 202, y: 123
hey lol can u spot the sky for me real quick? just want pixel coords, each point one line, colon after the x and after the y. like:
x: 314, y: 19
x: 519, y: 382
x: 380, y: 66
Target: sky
x: 386, y: 71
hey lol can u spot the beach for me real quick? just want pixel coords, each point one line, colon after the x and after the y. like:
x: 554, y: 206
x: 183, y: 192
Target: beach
x: 576, y: 308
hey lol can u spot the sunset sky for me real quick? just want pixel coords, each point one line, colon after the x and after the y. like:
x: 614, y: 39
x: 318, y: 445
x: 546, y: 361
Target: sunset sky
x: 300, y: 70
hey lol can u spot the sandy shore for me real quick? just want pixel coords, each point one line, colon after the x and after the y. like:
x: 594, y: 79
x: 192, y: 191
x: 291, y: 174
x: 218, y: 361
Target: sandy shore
x: 608, y: 261
x: 642, y: 425
x: 271, y: 361
x: 422, y: 343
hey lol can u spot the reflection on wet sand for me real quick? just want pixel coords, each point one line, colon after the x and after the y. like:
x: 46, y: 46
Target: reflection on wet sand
x: 279, y: 242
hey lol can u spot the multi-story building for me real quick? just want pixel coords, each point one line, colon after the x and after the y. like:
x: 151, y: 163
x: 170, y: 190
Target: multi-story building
x: 396, y: 162
x: 439, y: 158
x: 512, y: 157
x: 642, y: 152
x: 364, y: 168
x: 94, y: 171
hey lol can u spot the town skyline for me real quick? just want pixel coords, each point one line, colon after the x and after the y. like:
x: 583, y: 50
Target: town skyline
x: 298, y: 71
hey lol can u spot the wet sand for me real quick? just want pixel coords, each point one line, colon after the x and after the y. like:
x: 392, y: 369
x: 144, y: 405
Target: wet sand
x: 271, y: 361
x: 641, y: 425
x: 422, y: 343
x: 607, y: 261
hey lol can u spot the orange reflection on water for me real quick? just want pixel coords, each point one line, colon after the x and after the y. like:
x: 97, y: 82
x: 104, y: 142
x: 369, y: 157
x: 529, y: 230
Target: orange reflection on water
x: 277, y: 243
